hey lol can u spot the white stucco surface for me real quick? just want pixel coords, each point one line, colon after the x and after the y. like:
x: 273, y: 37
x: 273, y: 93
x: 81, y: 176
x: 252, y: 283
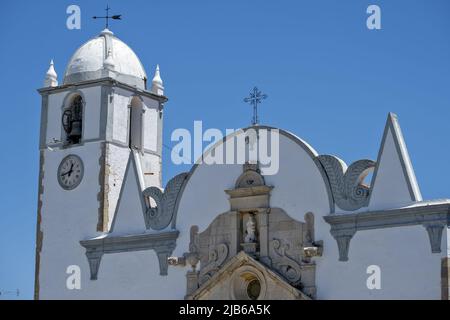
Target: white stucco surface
x: 71, y: 216
x: 67, y: 218
x: 408, y: 268
x: 91, y: 120
x: 90, y: 57
x: 150, y: 119
x: 54, y: 113
x: 391, y: 186
x: 129, y: 218
x: 120, y: 116
x: 116, y: 159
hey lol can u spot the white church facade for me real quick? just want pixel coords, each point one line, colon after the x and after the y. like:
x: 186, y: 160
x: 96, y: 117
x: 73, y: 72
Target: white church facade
x: 312, y: 230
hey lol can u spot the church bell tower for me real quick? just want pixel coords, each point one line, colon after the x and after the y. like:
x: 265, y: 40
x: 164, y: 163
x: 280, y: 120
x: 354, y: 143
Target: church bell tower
x: 92, y: 124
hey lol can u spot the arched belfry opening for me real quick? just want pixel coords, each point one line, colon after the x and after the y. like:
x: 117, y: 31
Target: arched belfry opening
x: 135, y: 124
x: 72, y: 120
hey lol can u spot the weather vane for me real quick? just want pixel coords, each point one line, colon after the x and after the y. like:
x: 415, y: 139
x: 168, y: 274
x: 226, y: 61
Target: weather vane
x: 107, y: 17
x: 254, y: 99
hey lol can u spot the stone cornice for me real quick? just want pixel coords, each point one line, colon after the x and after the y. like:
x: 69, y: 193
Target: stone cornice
x: 162, y: 243
x: 103, y: 81
x: 248, y: 192
x: 431, y: 215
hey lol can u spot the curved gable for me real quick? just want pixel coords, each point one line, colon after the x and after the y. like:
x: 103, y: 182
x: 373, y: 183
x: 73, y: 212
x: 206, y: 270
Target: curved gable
x: 299, y: 186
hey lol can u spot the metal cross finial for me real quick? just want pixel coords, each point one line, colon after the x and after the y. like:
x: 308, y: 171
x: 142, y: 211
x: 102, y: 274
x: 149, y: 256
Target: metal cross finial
x: 107, y: 17
x: 254, y: 99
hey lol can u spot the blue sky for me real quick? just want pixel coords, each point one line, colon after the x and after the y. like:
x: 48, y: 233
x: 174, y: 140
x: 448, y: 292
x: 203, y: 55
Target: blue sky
x: 330, y: 80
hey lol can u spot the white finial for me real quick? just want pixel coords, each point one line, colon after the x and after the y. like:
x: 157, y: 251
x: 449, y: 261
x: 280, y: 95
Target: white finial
x: 109, y: 62
x: 51, y: 78
x: 157, y: 83
x: 106, y: 31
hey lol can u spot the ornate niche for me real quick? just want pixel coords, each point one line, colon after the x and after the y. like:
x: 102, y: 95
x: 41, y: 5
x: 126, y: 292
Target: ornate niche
x: 252, y: 251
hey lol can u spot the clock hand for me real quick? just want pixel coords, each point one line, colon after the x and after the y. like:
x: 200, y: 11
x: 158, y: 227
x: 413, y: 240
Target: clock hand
x: 65, y: 173
x: 71, y: 170
x: 68, y: 172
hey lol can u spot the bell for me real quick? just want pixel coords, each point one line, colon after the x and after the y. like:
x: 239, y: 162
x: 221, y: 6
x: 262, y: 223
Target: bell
x: 76, y: 129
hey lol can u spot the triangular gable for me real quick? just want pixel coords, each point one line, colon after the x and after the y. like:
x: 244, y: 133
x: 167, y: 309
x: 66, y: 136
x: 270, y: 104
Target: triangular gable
x: 131, y: 206
x: 241, y: 260
x: 394, y: 182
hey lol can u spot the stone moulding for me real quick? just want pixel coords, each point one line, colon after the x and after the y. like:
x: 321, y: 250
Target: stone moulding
x: 432, y: 216
x: 105, y: 81
x: 162, y: 243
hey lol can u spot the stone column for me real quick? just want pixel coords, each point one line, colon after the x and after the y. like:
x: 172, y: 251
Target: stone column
x: 263, y: 222
x: 235, y: 231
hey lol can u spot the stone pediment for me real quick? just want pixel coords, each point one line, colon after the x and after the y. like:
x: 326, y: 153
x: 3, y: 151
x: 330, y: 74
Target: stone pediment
x: 244, y: 278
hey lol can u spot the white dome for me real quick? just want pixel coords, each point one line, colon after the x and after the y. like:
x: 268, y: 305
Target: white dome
x: 88, y: 62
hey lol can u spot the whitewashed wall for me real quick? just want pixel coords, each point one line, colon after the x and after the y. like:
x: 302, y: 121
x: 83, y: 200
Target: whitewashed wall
x: 116, y: 157
x: 151, y: 123
x: 120, y: 117
x: 67, y: 217
x: 91, y: 122
x: 54, y: 113
x: 71, y: 216
x: 409, y: 269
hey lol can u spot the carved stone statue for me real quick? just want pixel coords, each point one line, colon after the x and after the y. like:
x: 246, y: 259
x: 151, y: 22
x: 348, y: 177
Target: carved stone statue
x: 250, y: 236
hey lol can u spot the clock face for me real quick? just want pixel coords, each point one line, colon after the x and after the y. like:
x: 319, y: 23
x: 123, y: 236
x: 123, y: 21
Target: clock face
x: 70, y: 172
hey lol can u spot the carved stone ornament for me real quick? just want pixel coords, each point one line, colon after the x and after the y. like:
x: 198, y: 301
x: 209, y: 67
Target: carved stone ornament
x: 190, y: 258
x: 287, y: 266
x: 435, y: 235
x: 349, y: 191
x: 176, y: 261
x: 315, y: 250
x: 159, y: 217
x: 217, y: 257
x: 251, y: 177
